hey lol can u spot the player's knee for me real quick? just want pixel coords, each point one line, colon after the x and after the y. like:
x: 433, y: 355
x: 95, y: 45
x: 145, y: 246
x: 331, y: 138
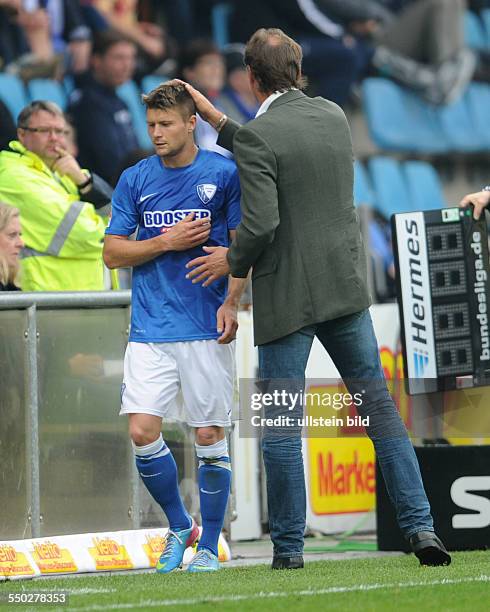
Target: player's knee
x: 205, y: 436
x: 141, y: 436
x: 214, y: 454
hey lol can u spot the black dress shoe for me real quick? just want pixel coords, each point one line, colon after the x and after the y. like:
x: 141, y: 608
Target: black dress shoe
x: 287, y: 562
x: 429, y: 549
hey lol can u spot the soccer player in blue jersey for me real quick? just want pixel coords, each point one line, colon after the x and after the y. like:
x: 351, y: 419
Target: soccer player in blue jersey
x: 182, y: 333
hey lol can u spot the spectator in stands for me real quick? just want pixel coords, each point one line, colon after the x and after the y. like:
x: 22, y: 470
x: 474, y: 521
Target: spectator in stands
x: 424, y: 48
x: 123, y: 17
x: 106, y: 134
x: 202, y: 64
x: 332, y: 59
x: 57, y: 202
x: 420, y: 43
x: 25, y: 42
x: 237, y: 100
x: 10, y: 247
x: 70, y: 34
x: 480, y: 200
x: 7, y: 126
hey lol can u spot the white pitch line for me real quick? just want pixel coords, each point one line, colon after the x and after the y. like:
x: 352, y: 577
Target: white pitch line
x: 151, y: 603
x: 80, y: 591
x: 89, y: 591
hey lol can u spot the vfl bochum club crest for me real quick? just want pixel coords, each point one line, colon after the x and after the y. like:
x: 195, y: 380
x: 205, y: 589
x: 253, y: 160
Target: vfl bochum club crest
x: 206, y: 192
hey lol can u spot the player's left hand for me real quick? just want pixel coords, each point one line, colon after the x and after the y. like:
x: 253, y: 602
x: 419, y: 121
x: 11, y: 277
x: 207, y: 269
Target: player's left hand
x: 209, y: 268
x: 227, y: 323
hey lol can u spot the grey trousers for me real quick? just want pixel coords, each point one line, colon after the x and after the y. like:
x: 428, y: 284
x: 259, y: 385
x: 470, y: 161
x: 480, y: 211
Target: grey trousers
x: 427, y: 31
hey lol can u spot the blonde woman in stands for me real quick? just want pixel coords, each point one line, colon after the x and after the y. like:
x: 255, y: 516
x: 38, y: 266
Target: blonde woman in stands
x: 10, y: 247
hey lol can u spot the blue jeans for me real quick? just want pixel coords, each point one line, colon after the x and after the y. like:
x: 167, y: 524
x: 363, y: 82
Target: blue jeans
x: 352, y: 345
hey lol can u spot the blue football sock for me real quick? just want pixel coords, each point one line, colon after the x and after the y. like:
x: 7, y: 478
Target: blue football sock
x: 214, y: 476
x: 158, y: 470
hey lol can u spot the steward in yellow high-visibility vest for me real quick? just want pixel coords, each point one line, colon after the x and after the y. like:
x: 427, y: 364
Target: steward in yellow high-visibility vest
x: 62, y: 232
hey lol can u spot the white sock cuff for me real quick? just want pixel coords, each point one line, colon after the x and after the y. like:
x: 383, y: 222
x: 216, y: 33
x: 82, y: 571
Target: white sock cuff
x: 150, y: 449
x: 219, y: 449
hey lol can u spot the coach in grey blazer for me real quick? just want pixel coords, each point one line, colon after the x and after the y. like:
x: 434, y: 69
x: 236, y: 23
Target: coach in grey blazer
x: 300, y: 235
x: 291, y: 230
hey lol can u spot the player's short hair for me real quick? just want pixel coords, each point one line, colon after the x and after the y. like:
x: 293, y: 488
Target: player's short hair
x: 274, y: 60
x: 169, y: 95
x: 35, y: 106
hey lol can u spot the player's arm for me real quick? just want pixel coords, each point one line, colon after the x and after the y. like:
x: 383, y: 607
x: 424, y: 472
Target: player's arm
x: 226, y: 317
x: 121, y: 252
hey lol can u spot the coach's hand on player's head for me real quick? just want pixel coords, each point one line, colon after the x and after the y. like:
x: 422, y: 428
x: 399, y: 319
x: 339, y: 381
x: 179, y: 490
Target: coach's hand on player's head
x: 480, y: 200
x: 187, y: 233
x: 227, y: 322
x: 205, y: 108
x: 210, y: 267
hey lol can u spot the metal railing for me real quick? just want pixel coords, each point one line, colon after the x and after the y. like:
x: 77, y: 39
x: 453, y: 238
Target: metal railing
x: 66, y: 465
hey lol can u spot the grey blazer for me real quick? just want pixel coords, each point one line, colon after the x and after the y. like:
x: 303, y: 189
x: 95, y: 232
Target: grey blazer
x: 299, y: 230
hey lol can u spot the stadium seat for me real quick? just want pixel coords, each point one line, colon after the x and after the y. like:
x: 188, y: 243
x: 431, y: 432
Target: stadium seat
x: 220, y: 14
x: 485, y: 15
x: 474, y: 32
x: 398, y: 120
x: 458, y: 127
x: 363, y: 193
x: 13, y: 93
x: 47, y: 89
x: 129, y: 93
x: 478, y: 99
x: 150, y: 81
x: 390, y: 189
x: 424, y: 187
x: 69, y: 84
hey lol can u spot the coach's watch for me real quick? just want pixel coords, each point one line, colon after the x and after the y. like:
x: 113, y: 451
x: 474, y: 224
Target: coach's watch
x: 223, y: 119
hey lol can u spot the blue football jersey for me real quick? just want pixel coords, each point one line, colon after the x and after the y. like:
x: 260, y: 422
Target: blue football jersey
x: 149, y: 197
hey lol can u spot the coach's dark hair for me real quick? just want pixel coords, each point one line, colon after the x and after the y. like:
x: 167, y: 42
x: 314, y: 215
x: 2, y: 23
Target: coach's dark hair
x: 35, y: 106
x: 274, y: 60
x: 103, y: 41
x: 169, y: 95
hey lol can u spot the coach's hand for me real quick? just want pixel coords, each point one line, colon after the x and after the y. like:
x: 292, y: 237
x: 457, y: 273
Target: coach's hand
x: 187, y: 234
x: 227, y: 322
x: 209, y: 267
x: 204, y: 107
x: 480, y: 200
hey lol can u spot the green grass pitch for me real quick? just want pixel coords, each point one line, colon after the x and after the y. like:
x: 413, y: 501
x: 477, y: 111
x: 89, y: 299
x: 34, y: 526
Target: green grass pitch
x: 385, y: 583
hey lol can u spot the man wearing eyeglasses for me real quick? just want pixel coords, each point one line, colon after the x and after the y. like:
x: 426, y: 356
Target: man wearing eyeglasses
x: 60, y: 204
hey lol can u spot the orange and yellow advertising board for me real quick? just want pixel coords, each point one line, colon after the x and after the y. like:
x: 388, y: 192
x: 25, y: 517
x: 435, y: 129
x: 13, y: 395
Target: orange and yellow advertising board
x: 153, y: 547
x: 109, y: 555
x: 13, y: 562
x: 51, y: 559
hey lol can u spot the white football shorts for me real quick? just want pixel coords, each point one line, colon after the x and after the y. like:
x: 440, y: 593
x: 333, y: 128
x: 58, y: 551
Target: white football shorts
x: 185, y: 381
